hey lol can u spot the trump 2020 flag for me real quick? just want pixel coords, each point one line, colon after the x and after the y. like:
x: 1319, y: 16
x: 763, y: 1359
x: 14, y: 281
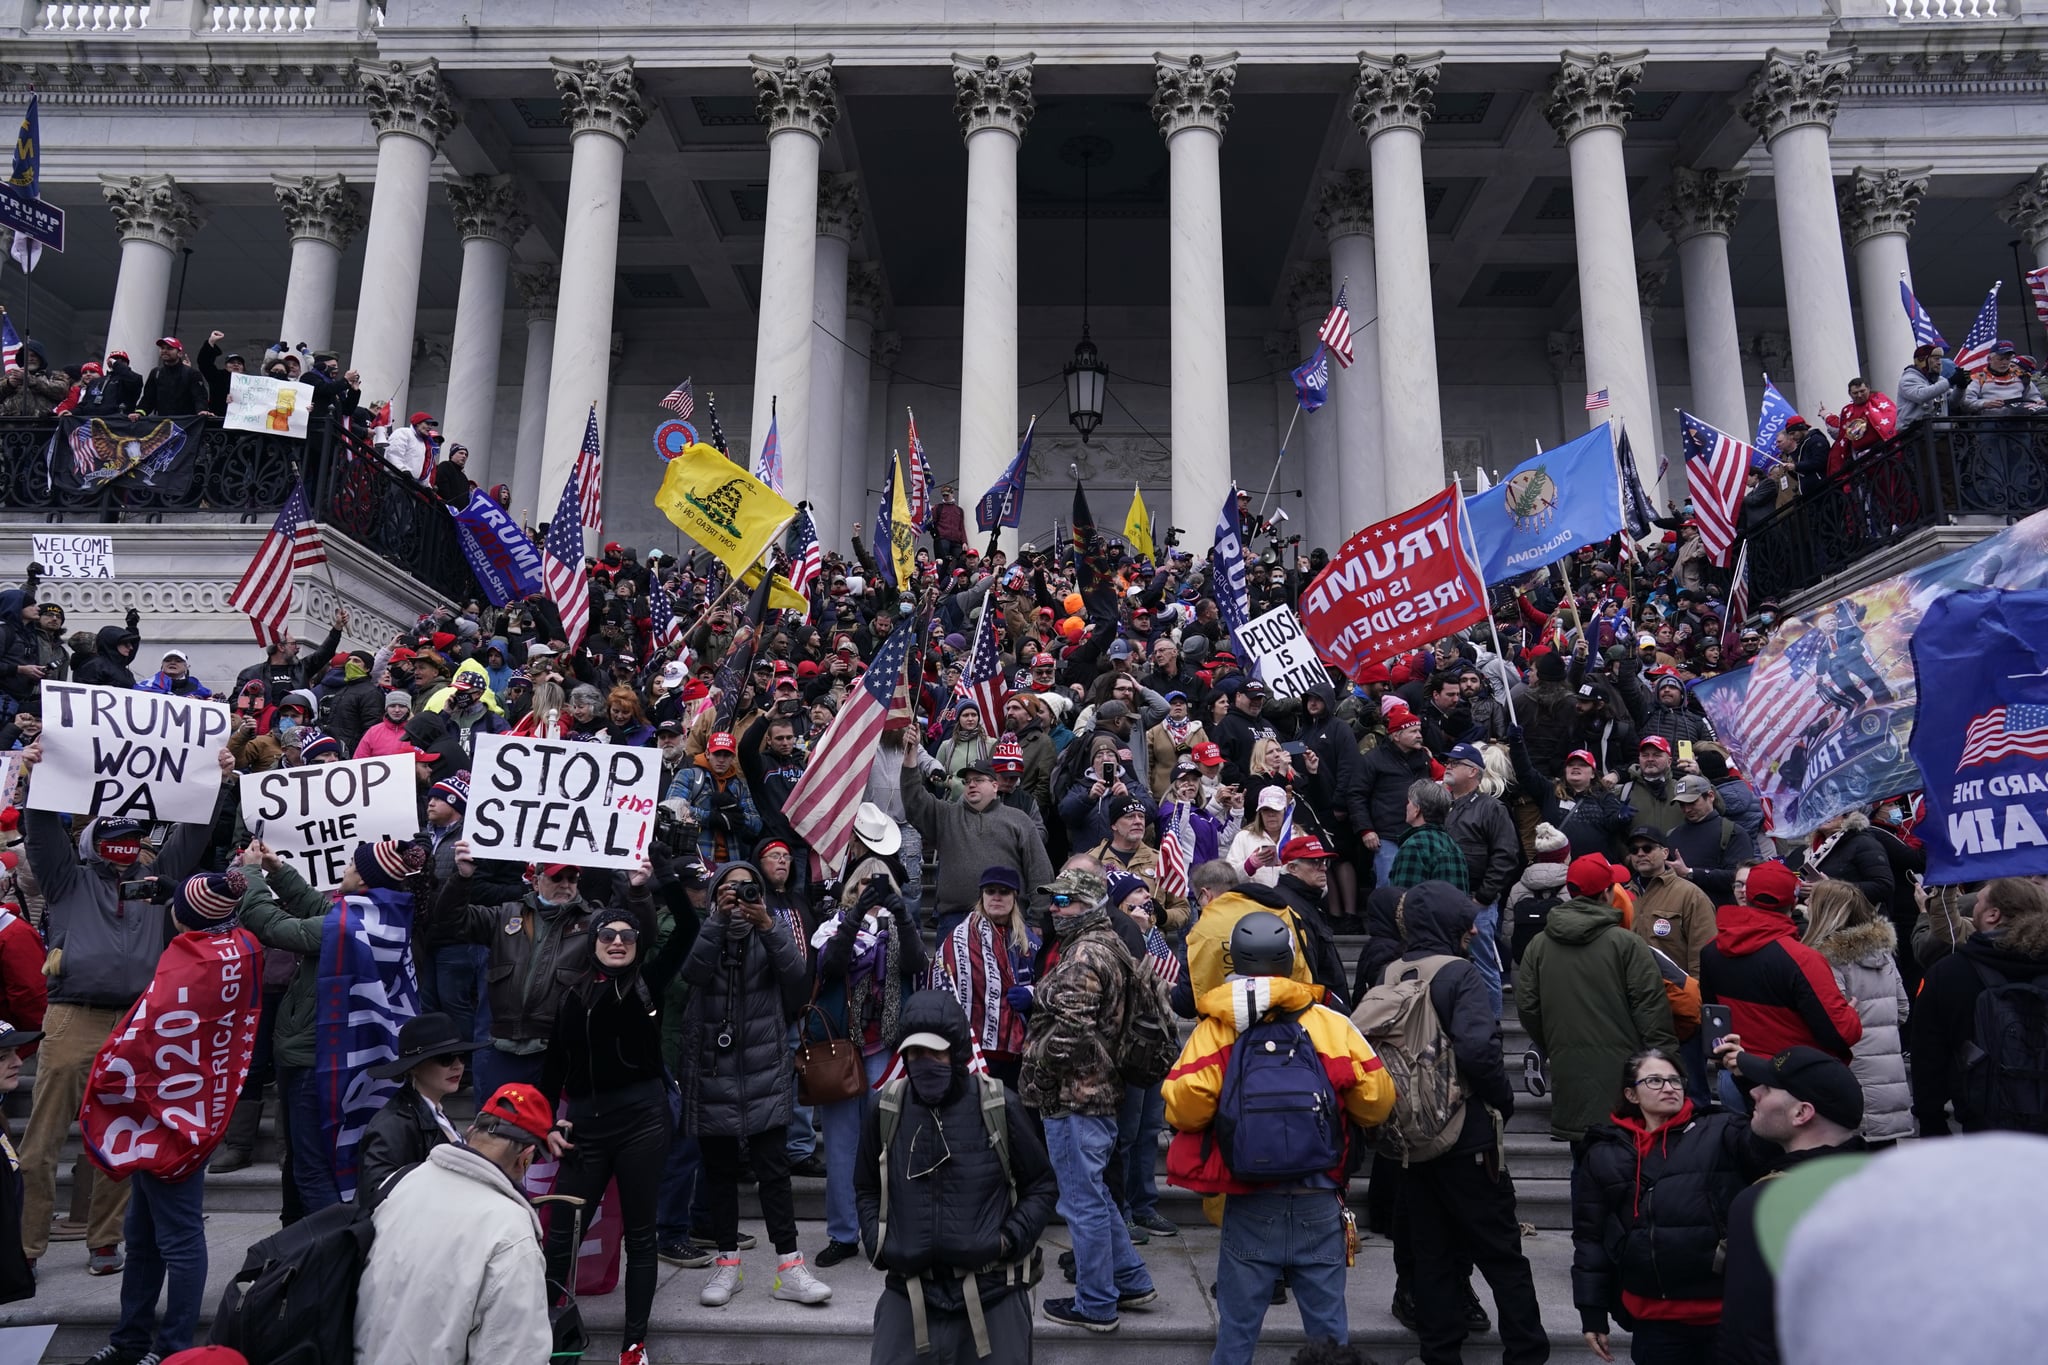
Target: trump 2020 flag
x: 1771, y: 416
x: 1003, y: 504
x: 1312, y: 381
x: 1980, y: 667
x: 1548, y: 506
x: 1232, y: 587
x: 368, y: 988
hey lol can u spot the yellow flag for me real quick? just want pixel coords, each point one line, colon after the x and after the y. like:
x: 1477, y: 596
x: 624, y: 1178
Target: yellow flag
x: 1138, y: 524
x: 780, y: 593
x: 721, y: 506
x: 901, y: 533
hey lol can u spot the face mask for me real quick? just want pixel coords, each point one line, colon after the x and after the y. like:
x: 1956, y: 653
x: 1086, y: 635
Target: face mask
x: 930, y: 1078
x: 287, y: 725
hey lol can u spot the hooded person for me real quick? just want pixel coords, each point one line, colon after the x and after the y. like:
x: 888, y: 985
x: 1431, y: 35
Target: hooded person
x: 1779, y: 992
x: 113, y: 654
x: 961, y: 1236
x: 29, y: 387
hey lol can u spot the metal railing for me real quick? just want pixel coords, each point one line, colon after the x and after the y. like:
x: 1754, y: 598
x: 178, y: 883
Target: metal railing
x: 249, y: 475
x: 1928, y: 475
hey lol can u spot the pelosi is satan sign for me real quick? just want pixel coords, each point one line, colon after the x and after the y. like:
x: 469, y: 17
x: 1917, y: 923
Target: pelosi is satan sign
x: 550, y: 801
x: 1396, y: 585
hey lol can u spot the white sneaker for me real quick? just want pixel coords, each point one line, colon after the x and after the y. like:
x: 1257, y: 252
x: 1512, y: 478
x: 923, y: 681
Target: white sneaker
x: 795, y: 1283
x: 723, y: 1284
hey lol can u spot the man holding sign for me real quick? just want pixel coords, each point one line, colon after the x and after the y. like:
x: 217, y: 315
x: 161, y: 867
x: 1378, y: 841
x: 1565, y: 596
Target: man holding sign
x: 109, y: 751
x: 313, y: 816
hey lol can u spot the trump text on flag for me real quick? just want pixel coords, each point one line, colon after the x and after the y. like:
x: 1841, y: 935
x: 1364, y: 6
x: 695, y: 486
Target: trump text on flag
x: 1397, y: 584
x: 551, y: 801
x: 139, y: 755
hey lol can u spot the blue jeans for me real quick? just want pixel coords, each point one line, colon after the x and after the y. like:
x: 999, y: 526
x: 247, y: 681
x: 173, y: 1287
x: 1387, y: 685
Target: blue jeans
x: 1134, y: 1169
x: 312, y: 1158
x: 1267, y: 1238
x: 842, y: 1152
x: 803, y: 1131
x: 1383, y: 861
x: 1106, y: 1265
x: 494, y: 1068
x: 1486, y: 953
x: 166, y: 1235
x: 458, y: 978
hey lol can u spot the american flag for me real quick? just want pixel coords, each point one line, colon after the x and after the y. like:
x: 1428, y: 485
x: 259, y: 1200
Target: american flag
x: 562, y: 573
x: 663, y: 623
x: 1596, y: 400
x: 1781, y: 700
x: 1715, y: 466
x: 2037, y: 285
x: 1335, y: 332
x: 820, y: 809
x: 1173, y: 865
x: 590, y: 478
x: 681, y: 400
x: 265, y: 591
x: 982, y: 680
x: 806, y: 556
x: 2001, y: 732
x: 1983, y: 333
x: 10, y: 340
x: 1738, y: 605
x: 919, y: 475
x: 1924, y: 331
x: 717, y: 431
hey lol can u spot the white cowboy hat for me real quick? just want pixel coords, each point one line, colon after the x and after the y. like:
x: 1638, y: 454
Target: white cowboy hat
x: 875, y: 830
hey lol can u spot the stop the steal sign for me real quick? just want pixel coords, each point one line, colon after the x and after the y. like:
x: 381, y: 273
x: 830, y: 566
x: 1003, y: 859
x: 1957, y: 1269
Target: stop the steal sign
x: 552, y: 801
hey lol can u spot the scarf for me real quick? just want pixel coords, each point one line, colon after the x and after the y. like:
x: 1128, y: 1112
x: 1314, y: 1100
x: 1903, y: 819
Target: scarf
x: 1177, y: 732
x: 980, y: 971
x: 1823, y: 847
x: 874, y: 995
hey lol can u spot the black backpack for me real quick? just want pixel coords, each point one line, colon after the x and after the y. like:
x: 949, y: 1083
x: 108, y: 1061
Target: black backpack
x: 2005, y: 1065
x: 1529, y: 914
x: 294, y: 1300
x: 1278, y: 1118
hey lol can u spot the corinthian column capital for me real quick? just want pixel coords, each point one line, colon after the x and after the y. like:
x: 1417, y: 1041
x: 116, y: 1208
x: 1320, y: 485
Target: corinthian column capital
x: 1876, y: 203
x: 1395, y: 92
x: 406, y: 97
x: 1192, y: 92
x: 323, y: 207
x: 794, y: 93
x: 601, y: 96
x: 488, y: 206
x: 151, y: 208
x: 993, y: 92
x: 1593, y: 90
x: 1791, y: 91
x: 1702, y: 201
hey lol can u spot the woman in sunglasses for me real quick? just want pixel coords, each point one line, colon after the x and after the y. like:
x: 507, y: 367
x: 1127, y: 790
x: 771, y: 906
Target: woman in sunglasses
x: 432, y: 1060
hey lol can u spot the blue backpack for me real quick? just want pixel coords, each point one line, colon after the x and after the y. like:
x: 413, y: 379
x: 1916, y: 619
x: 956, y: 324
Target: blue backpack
x: 1278, y: 1118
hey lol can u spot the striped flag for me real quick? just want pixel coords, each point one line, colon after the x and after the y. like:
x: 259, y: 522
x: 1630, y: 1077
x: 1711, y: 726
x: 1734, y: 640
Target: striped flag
x: 1738, y: 606
x: 2037, y: 285
x: 265, y: 591
x: 681, y: 400
x: 717, y: 431
x: 1781, y: 701
x: 2001, y: 732
x: 1715, y: 467
x: 663, y: 624
x: 820, y: 809
x: 731, y: 678
x: 982, y: 680
x: 919, y: 473
x: 1596, y: 400
x: 562, y: 573
x: 1173, y: 865
x: 806, y: 556
x: 1924, y: 331
x: 590, y: 479
x: 1983, y: 334
x: 10, y: 341
x: 1335, y: 333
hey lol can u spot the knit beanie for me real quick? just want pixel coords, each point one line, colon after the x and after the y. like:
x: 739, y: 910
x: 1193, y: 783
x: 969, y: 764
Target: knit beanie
x: 205, y: 900
x: 320, y: 746
x: 1122, y: 885
x: 1550, y: 667
x: 454, y: 789
x: 386, y: 864
x: 1551, y: 845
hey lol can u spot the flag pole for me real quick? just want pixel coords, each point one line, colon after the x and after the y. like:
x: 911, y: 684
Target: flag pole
x: 1500, y: 653
x: 1277, y: 459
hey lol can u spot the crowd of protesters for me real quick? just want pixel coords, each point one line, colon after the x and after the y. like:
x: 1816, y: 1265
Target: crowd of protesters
x: 1539, y: 820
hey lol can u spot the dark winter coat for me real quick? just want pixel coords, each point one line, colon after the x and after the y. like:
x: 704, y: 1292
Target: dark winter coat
x: 107, y: 668
x: 538, y: 953
x: 1485, y: 834
x: 1385, y: 775
x: 1713, y: 848
x: 110, y: 943
x: 348, y: 713
x: 1325, y: 962
x: 1749, y: 1303
x: 1944, y: 1018
x: 1336, y: 789
x: 1437, y: 916
x: 747, y: 992
x: 1858, y: 859
x: 116, y: 394
x: 175, y: 391
x: 398, y: 1135
x: 1779, y: 992
x: 606, y: 1044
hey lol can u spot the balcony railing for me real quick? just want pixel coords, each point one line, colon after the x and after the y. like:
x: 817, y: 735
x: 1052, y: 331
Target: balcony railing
x: 249, y: 475
x: 1929, y: 475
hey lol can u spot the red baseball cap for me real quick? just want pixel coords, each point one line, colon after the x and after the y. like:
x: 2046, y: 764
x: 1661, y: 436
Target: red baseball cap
x: 552, y: 869
x: 721, y: 743
x: 1303, y: 846
x: 522, y: 1113
x: 1400, y: 717
x: 1043, y: 661
x: 1772, y: 886
x: 1209, y: 755
x: 1654, y: 742
x: 1593, y: 875
x: 1584, y: 756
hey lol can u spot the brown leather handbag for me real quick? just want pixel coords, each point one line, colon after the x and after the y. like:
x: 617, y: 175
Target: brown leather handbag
x: 828, y: 1069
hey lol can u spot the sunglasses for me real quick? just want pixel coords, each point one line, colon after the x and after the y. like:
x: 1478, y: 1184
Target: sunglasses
x: 1642, y: 848
x: 618, y: 935
x: 450, y: 1059
x: 1062, y: 900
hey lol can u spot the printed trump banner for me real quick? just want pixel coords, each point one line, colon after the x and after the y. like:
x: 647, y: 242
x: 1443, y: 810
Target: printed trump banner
x: 1395, y: 585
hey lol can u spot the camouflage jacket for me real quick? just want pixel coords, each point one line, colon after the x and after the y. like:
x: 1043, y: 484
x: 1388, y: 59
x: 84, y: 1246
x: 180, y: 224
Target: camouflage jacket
x: 1069, y: 1067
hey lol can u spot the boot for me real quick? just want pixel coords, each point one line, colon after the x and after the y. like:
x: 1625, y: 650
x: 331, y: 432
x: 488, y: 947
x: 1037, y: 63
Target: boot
x: 794, y: 1282
x: 723, y: 1284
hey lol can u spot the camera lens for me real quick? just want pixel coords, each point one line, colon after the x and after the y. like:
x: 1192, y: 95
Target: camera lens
x: 750, y: 892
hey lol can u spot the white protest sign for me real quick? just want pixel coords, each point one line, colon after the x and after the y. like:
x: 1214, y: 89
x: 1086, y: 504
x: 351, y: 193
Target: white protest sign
x: 550, y: 800
x: 1285, y: 657
x: 74, y: 556
x: 314, y: 816
x: 259, y: 403
x: 142, y: 755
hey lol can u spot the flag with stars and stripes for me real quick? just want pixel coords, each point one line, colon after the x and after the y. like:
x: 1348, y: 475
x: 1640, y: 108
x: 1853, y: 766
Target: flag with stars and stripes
x: 1924, y: 331
x: 1335, y: 333
x: 919, y: 474
x: 806, y: 556
x: 1738, y: 603
x: 562, y: 573
x: 10, y: 341
x: 265, y: 591
x: 681, y: 400
x: 2001, y: 732
x: 717, y: 431
x: 981, y: 682
x: 1716, y: 464
x: 662, y: 623
x: 821, y: 807
x: 1596, y: 400
x: 2037, y: 285
x: 1983, y: 334
x: 590, y: 479
x: 1173, y: 865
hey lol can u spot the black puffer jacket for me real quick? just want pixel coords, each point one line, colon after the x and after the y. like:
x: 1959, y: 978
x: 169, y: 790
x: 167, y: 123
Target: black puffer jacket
x: 1860, y: 860
x: 349, y: 711
x: 1386, y: 774
x: 1649, y: 1210
x: 747, y: 991
x: 1336, y: 788
x: 107, y: 668
x: 959, y: 1218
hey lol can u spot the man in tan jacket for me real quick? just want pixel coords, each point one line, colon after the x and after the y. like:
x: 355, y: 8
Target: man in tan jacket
x: 1671, y: 915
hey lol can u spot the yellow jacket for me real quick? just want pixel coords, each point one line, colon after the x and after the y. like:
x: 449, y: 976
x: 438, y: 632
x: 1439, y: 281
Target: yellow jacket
x: 1209, y: 941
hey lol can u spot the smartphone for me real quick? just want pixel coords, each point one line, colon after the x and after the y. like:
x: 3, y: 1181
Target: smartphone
x: 1716, y: 1023
x: 1294, y: 746
x: 1108, y: 772
x: 1685, y: 751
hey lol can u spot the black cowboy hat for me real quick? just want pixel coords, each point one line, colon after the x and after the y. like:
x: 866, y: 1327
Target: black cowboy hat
x: 422, y: 1037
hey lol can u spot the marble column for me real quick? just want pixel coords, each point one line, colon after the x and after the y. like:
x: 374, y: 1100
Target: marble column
x: 882, y: 353
x: 1309, y: 291
x: 1651, y: 277
x: 602, y: 102
x: 1589, y: 106
x: 155, y: 215
x: 1191, y: 104
x: 324, y: 213
x: 1792, y: 103
x: 857, y: 456
x: 538, y: 288
x: 409, y: 108
x: 2026, y: 208
x: 839, y: 222
x: 992, y: 99
x: 1344, y: 213
x: 491, y: 220
x: 1699, y: 212
x: 1394, y: 101
x: 1878, y: 207
x: 799, y: 104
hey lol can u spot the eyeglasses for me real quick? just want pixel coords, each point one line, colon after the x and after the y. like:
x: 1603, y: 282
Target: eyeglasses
x: 450, y: 1059
x: 1642, y: 848
x: 609, y: 935
x: 1660, y: 1083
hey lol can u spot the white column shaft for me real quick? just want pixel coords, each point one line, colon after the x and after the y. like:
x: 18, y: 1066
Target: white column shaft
x: 856, y: 457
x: 1357, y: 454
x: 1316, y: 437
x: 1413, y: 436
x: 142, y: 292
x: 533, y: 415
x: 1608, y: 302
x: 387, y: 306
x: 1816, y: 274
x: 1674, y: 478
x: 470, y: 415
x: 782, y: 346
x: 1201, y: 394
x: 583, y: 310
x: 1887, y: 333
x: 1713, y: 349
x: 309, y: 293
x: 988, y: 337
x: 829, y: 363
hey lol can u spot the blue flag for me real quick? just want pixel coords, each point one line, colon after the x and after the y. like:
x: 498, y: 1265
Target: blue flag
x: 1232, y: 589
x: 26, y: 178
x: 884, y: 548
x: 1771, y: 418
x: 368, y: 988
x: 1003, y: 504
x: 1637, y: 509
x: 1547, y: 507
x: 1924, y: 331
x: 1980, y: 668
x: 500, y: 555
x: 1312, y: 381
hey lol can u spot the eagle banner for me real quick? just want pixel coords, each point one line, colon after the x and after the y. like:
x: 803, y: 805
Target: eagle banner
x: 159, y: 454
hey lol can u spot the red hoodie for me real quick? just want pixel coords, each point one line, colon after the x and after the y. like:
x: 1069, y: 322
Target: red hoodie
x: 1661, y: 1310
x: 1779, y: 992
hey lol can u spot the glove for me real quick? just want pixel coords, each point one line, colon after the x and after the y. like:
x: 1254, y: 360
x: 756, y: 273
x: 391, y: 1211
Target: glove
x: 725, y: 801
x: 1020, y: 998
x: 134, y: 618
x: 874, y: 894
x: 1513, y: 732
x: 717, y: 822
